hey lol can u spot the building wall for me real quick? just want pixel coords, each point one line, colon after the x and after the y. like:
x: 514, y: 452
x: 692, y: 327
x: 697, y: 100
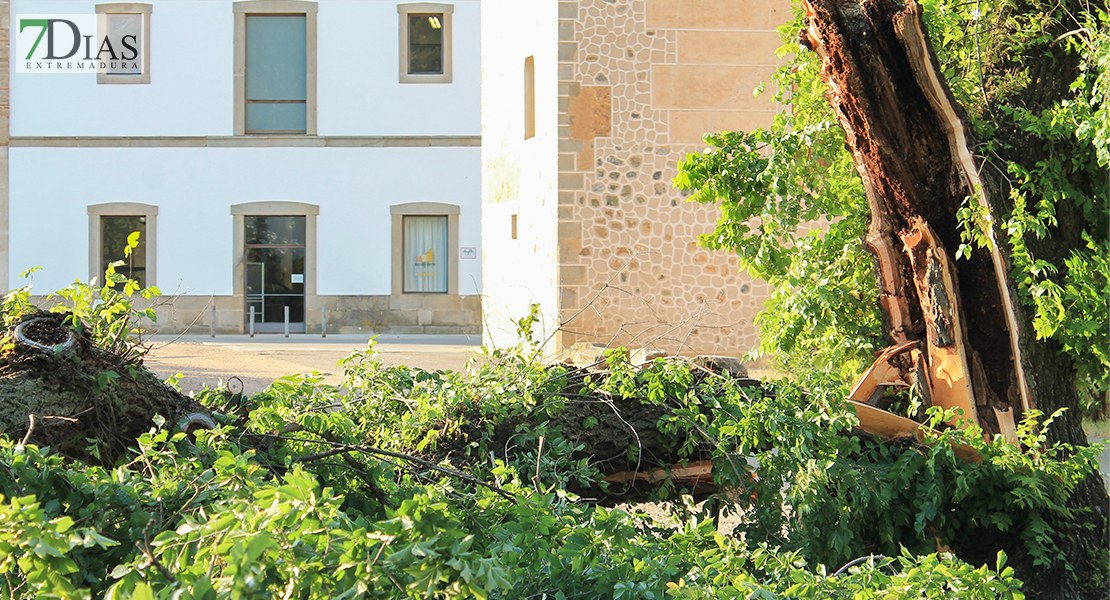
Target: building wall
x: 640, y: 82
x: 170, y: 144
x: 191, y: 90
x: 519, y: 176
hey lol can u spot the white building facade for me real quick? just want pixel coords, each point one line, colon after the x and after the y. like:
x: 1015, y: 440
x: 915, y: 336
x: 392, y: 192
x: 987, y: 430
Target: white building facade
x: 273, y: 154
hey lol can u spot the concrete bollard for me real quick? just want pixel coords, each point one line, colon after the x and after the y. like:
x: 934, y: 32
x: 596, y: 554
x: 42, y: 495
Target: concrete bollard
x: 323, y: 321
x: 212, y: 322
x: 286, y: 321
x: 252, y: 321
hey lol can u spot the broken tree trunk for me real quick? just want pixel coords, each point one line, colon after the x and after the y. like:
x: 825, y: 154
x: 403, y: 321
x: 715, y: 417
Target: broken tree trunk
x: 57, y: 389
x: 912, y: 150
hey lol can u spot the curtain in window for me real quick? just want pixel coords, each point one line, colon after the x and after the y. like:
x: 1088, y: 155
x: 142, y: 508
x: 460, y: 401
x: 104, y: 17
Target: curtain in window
x: 425, y: 243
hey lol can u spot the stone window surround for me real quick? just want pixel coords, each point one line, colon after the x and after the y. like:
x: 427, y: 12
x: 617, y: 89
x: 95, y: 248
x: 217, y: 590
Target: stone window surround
x: 102, y: 12
x: 128, y: 209
x: 242, y: 8
x: 418, y: 209
x: 274, y: 208
x: 404, y: 10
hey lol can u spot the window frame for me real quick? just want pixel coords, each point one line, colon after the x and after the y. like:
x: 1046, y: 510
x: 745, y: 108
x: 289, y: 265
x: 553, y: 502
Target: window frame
x: 239, y: 212
x: 424, y: 209
x: 126, y: 8
x: 123, y: 209
x: 243, y: 8
x: 418, y: 8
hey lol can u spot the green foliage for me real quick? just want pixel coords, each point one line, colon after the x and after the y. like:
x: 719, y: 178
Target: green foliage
x: 776, y: 187
x: 107, y: 314
x: 796, y: 214
x: 312, y: 496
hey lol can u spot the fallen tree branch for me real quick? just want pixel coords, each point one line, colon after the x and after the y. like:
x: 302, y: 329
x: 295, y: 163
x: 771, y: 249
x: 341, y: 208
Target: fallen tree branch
x: 340, y: 448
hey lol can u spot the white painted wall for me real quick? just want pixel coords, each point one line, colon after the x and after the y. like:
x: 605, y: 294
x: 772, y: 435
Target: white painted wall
x: 359, y: 92
x: 190, y: 90
x: 522, y: 271
x: 194, y: 188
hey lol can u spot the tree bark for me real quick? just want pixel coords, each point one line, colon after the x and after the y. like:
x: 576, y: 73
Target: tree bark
x: 913, y: 152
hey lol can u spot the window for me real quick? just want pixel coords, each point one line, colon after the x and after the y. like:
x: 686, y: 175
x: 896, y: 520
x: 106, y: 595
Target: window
x: 529, y: 97
x: 425, y: 241
x: 425, y: 42
x: 425, y: 248
x: 114, y: 232
x: 109, y: 226
x: 275, y: 67
x: 126, y: 52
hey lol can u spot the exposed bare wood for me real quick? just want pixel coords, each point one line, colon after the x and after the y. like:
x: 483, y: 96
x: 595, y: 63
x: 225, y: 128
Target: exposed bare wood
x: 891, y: 426
x: 949, y: 374
x: 912, y: 152
x: 880, y: 373
x: 699, y: 472
x: 1006, y: 424
x: 909, y: 26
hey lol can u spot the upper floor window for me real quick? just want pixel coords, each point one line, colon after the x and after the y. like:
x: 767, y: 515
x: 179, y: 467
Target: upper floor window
x: 124, y: 55
x: 276, y: 74
x: 275, y: 67
x: 425, y: 42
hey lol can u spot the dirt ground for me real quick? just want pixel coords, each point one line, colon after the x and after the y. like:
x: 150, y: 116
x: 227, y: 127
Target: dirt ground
x: 258, y: 361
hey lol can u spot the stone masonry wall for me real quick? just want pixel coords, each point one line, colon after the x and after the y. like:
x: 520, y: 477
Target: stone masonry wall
x: 640, y: 82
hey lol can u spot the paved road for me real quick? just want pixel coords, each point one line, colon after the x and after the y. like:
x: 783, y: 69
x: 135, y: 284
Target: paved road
x: 260, y: 360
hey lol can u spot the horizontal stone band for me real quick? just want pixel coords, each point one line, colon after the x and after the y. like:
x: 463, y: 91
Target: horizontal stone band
x: 248, y: 141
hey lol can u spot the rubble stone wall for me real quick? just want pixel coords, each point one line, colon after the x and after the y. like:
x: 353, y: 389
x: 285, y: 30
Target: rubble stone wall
x: 640, y: 82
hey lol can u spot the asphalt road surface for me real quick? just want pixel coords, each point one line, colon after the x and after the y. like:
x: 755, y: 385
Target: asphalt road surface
x: 258, y: 361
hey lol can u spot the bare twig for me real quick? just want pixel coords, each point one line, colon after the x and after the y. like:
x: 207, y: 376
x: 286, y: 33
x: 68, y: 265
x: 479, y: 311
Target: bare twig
x: 539, y: 455
x: 144, y: 547
x: 30, y: 430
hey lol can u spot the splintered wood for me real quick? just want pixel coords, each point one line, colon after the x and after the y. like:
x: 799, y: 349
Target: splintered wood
x: 954, y: 320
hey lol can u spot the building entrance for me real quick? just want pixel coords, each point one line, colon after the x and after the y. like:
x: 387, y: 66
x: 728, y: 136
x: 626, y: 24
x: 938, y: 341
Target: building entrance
x: 275, y: 275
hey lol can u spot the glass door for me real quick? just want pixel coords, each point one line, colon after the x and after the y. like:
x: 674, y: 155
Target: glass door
x: 274, y: 274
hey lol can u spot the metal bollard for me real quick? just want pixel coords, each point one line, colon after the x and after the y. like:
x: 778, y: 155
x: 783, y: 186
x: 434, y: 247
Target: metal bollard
x: 252, y: 321
x: 212, y: 323
x: 286, y: 321
x: 323, y: 321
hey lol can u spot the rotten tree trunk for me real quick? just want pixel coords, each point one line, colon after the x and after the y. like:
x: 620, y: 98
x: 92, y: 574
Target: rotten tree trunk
x: 911, y: 149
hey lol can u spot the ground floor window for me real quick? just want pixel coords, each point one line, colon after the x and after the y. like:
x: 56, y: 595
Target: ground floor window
x: 110, y: 224
x: 425, y: 240
x: 114, y: 233
x: 425, y: 248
